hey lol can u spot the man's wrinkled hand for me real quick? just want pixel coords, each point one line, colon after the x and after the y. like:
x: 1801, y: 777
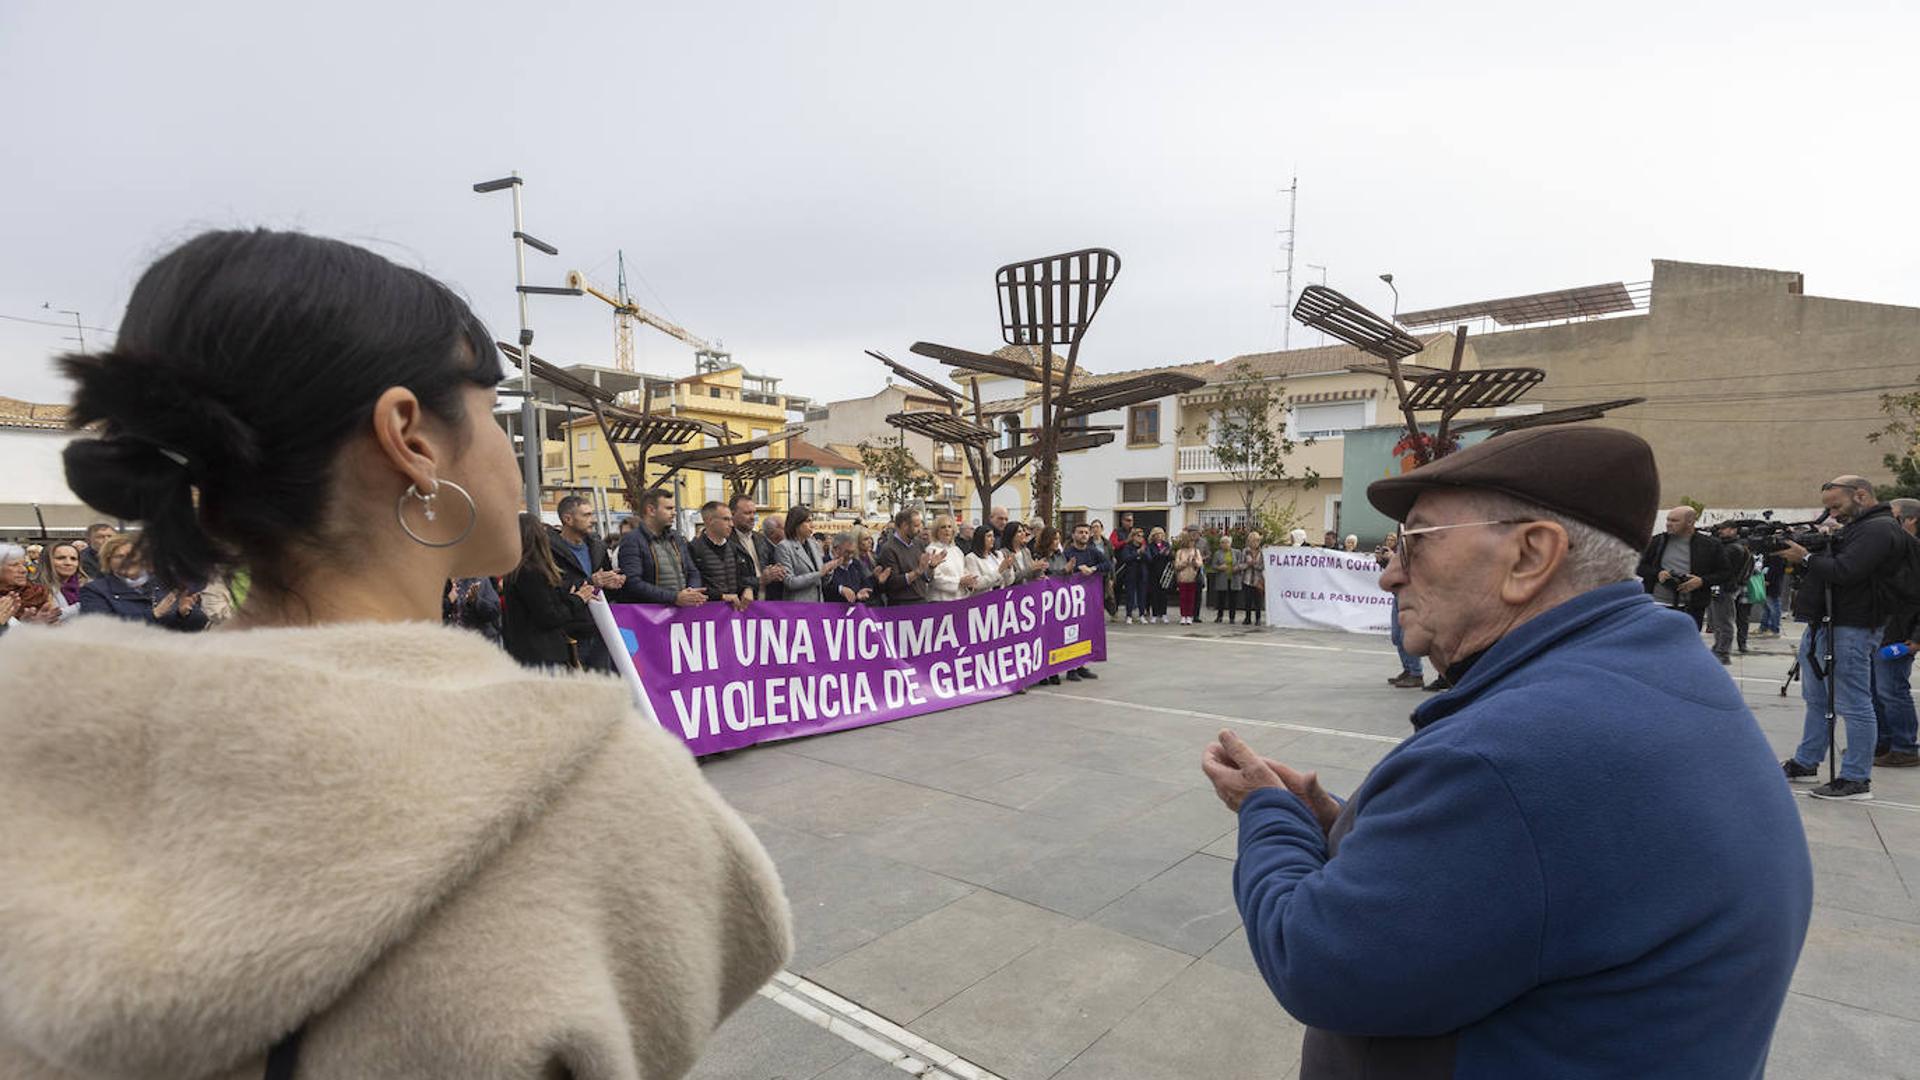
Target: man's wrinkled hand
x: 1326, y: 809
x: 1236, y: 771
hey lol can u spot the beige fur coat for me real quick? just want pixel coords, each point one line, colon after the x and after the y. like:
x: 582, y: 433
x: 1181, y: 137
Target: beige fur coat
x: 443, y: 864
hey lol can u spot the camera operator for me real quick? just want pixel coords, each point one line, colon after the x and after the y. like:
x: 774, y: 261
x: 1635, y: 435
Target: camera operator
x: 1841, y: 582
x: 1729, y: 610
x: 1680, y: 566
x: 1893, y: 675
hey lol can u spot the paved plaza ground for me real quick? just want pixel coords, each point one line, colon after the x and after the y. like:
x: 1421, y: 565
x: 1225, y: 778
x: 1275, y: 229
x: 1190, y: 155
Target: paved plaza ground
x: 1039, y: 887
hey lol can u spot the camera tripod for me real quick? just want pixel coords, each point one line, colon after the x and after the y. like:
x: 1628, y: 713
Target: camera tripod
x: 1822, y: 667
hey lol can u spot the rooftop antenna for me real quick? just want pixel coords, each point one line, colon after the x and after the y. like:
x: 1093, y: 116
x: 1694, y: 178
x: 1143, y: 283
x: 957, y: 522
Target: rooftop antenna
x: 1286, y: 248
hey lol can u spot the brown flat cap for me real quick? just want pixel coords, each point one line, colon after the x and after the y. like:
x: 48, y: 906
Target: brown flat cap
x: 1603, y: 477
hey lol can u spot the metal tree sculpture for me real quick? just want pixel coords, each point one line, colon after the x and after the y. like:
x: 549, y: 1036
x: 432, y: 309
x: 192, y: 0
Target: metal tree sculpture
x: 1046, y: 302
x: 1445, y: 392
x: 974, y: 437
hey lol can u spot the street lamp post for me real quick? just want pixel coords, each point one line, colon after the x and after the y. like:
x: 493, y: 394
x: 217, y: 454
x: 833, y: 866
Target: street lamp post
x: 531, y: 444
x: 1388, y: 278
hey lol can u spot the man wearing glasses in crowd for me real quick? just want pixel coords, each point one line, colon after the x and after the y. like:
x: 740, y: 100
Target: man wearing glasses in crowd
x: 1541, y: 879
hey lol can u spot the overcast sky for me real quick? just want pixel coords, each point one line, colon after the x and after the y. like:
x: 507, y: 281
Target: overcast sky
x: 805, y: 180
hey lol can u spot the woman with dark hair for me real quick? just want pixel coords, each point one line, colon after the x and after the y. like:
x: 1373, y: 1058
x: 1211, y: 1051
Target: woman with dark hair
x: 340, y: 820
x: 543, y: 622
x: 1134, y: 560
x: 989, y: 568
x: 1017, y: 538
x: 807, y: 569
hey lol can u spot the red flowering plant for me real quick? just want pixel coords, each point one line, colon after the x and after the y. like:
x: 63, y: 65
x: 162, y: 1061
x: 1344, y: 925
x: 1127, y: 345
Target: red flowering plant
x: 1424, y: 447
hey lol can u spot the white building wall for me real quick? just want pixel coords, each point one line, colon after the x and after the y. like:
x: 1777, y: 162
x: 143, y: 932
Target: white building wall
x: 1090, y: 479
x: 31, y: 471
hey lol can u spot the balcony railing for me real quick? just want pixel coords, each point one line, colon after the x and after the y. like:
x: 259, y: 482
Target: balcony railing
x: 1198, y: 459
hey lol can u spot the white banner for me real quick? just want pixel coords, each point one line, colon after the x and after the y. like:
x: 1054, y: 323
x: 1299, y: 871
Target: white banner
x: 1322, y: 589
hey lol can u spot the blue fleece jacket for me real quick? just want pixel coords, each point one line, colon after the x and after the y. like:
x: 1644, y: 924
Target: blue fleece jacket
x: 1583, y: 863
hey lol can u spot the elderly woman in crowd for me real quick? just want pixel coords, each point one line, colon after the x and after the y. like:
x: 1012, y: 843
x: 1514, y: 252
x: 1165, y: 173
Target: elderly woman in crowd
x: 1223, y: 578
x: 1351, y: 543
x: 851, y: 581
x: 1253, y: 580
x: 807, y: 568
x: 22, y: 599
x: 949, y: 580
x: 1159, y: 576
x: 126, y: 588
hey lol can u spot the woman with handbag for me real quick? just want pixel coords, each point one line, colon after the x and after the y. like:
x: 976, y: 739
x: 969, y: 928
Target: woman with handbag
x: 340, y: 840
x: 1189, y: 566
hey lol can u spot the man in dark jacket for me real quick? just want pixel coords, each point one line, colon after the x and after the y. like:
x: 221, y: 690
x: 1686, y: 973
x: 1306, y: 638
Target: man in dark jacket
x: 759, y: 548
x: 902, y: 562
x: 1896, y: 747
x: 579, y: 553
x: 1536, y: 882
x: 1681, y: 567
x: 97, y: 534
x: 1844, y: 581
x: 654, y: 559
x: 725, y: 567
x: 1728, y: 611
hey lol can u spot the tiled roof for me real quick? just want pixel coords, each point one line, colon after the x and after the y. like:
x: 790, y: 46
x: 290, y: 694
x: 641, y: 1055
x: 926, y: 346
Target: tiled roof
x: 26, y: 414
x: 1321, y: 360
x: 819, y: 455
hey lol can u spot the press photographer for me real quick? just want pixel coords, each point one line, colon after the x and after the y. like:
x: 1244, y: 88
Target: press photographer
x: 1730, y: 610
x: 1848, y: 585
x: 1681, y: 567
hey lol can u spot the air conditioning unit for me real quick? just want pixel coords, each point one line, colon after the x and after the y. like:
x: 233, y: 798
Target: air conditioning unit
x: 1192, y: 493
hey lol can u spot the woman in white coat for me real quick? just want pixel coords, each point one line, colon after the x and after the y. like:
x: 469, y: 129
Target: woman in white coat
x: 950, y: 579
x: 341, y: 837
x: 990, y: 567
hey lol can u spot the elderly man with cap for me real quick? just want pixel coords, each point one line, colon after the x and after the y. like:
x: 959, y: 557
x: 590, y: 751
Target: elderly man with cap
x: 1583, y: 861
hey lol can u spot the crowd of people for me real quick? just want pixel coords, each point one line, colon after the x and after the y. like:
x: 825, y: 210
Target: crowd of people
x: 54, y: 581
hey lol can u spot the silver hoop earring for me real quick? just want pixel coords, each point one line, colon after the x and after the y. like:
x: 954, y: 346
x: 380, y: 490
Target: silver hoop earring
x: 427, y: 507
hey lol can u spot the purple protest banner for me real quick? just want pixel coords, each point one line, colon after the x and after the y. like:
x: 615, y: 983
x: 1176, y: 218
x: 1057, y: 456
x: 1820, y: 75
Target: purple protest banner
x: 722, y: 679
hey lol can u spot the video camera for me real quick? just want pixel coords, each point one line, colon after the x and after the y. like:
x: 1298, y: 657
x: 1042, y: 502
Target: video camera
x: 1765, y: 537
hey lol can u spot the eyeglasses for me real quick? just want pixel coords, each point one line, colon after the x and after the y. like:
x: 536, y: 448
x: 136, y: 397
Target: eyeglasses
x: 1404, y: 552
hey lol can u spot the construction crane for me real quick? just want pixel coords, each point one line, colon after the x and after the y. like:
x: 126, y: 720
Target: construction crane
x: 626, y: 313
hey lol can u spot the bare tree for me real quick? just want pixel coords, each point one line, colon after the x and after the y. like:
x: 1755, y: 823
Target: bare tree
x: 1248, y: 433
x: 892, y: 466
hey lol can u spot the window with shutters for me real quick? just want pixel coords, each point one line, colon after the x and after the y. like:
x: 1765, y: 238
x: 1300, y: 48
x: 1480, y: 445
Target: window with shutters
x: 843, y: 494
x: 1143, y: 425
x: 803, y: 491
x: 1327, y: 421
x: 1153, y: 490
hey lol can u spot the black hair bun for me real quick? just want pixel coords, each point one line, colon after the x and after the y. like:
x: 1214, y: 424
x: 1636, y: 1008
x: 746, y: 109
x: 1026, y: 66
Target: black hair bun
x: 162, y: 436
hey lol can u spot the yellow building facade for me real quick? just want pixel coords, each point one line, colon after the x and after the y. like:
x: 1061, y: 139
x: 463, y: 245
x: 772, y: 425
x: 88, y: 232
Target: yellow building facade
x: 747, y: 406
